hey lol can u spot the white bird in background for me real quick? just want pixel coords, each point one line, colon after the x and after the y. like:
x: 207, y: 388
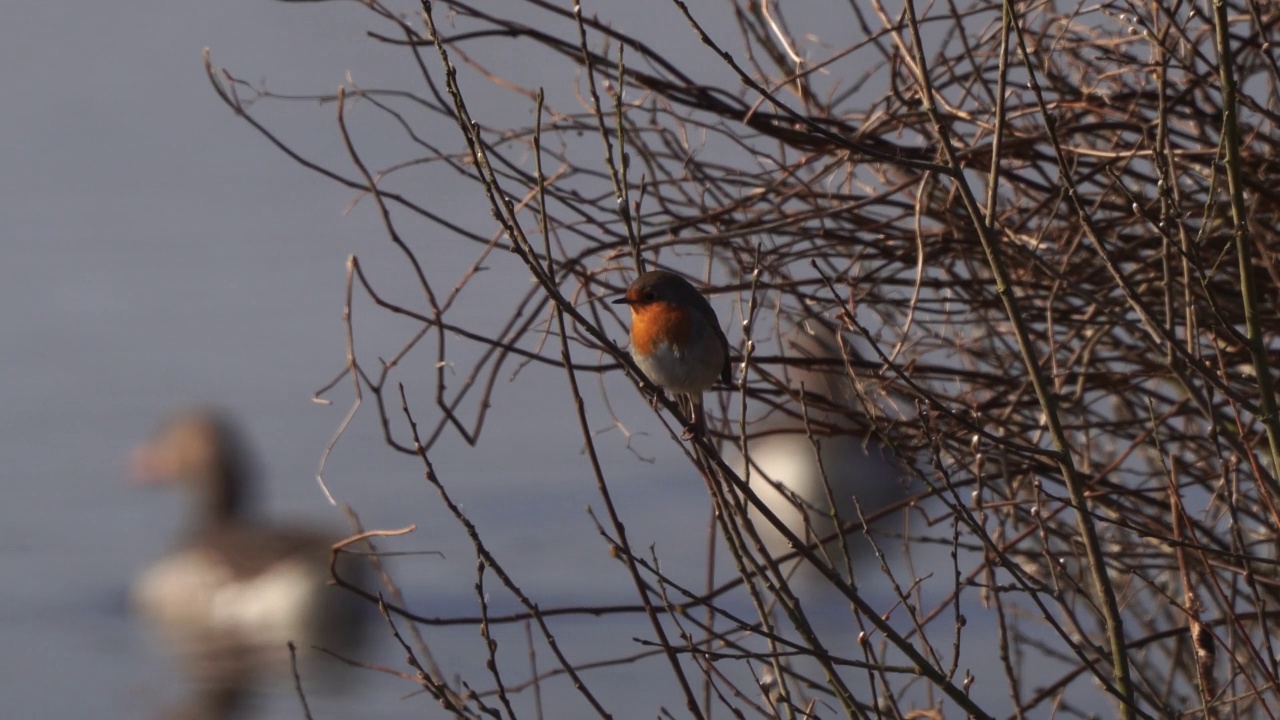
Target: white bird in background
x: 785, y: 471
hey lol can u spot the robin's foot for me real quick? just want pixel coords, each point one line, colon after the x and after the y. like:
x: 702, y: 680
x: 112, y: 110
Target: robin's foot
x: 655, y: 397
x: 694, y: 428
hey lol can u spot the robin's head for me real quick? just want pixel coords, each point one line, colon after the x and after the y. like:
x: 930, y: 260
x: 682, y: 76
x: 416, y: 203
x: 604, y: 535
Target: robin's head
x: 658, y: 288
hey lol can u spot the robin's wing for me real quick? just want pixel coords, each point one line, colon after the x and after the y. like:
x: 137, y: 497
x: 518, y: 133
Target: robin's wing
x: 708, y: 312
x: 726, y: 374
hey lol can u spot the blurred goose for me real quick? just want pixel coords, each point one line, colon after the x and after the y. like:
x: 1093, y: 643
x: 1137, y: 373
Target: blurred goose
x: 784, y: 469
x: 233, y: 593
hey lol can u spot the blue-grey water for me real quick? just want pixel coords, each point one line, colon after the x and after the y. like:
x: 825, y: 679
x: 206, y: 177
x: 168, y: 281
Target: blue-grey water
x: 155, y: 251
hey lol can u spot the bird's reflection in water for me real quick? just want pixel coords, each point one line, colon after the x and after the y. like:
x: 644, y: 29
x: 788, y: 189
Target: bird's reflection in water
x: 815, y: 479
x: 236, y: 590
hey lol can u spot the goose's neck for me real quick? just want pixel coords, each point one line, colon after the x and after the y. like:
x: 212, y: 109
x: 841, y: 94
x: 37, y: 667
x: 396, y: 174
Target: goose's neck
x: 224, y: 490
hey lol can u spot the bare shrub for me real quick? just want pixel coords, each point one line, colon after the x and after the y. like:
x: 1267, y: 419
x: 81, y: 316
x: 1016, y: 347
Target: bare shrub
x: 1045, y: 236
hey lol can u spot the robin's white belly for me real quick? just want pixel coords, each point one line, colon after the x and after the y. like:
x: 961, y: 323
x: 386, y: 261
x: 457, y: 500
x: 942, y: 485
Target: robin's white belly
x: 680, y: 369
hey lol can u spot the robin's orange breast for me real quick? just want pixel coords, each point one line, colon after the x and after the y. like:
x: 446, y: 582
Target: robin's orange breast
x: 656, y: 323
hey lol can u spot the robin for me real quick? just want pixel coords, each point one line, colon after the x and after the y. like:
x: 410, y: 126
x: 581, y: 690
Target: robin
x: 676, y: 338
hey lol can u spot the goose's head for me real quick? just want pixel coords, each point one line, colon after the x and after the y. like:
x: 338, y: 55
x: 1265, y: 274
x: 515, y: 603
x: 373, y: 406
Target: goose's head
x: 199, y: 450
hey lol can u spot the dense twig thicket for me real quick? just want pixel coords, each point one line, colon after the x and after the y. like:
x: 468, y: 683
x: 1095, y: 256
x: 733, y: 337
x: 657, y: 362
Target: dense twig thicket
x: 1044, y: 236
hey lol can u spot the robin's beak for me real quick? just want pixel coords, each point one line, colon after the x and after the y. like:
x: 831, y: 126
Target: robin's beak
x: 620, y: 301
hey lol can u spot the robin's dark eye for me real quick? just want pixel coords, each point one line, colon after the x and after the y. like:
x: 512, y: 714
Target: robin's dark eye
x: 648, y: 296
